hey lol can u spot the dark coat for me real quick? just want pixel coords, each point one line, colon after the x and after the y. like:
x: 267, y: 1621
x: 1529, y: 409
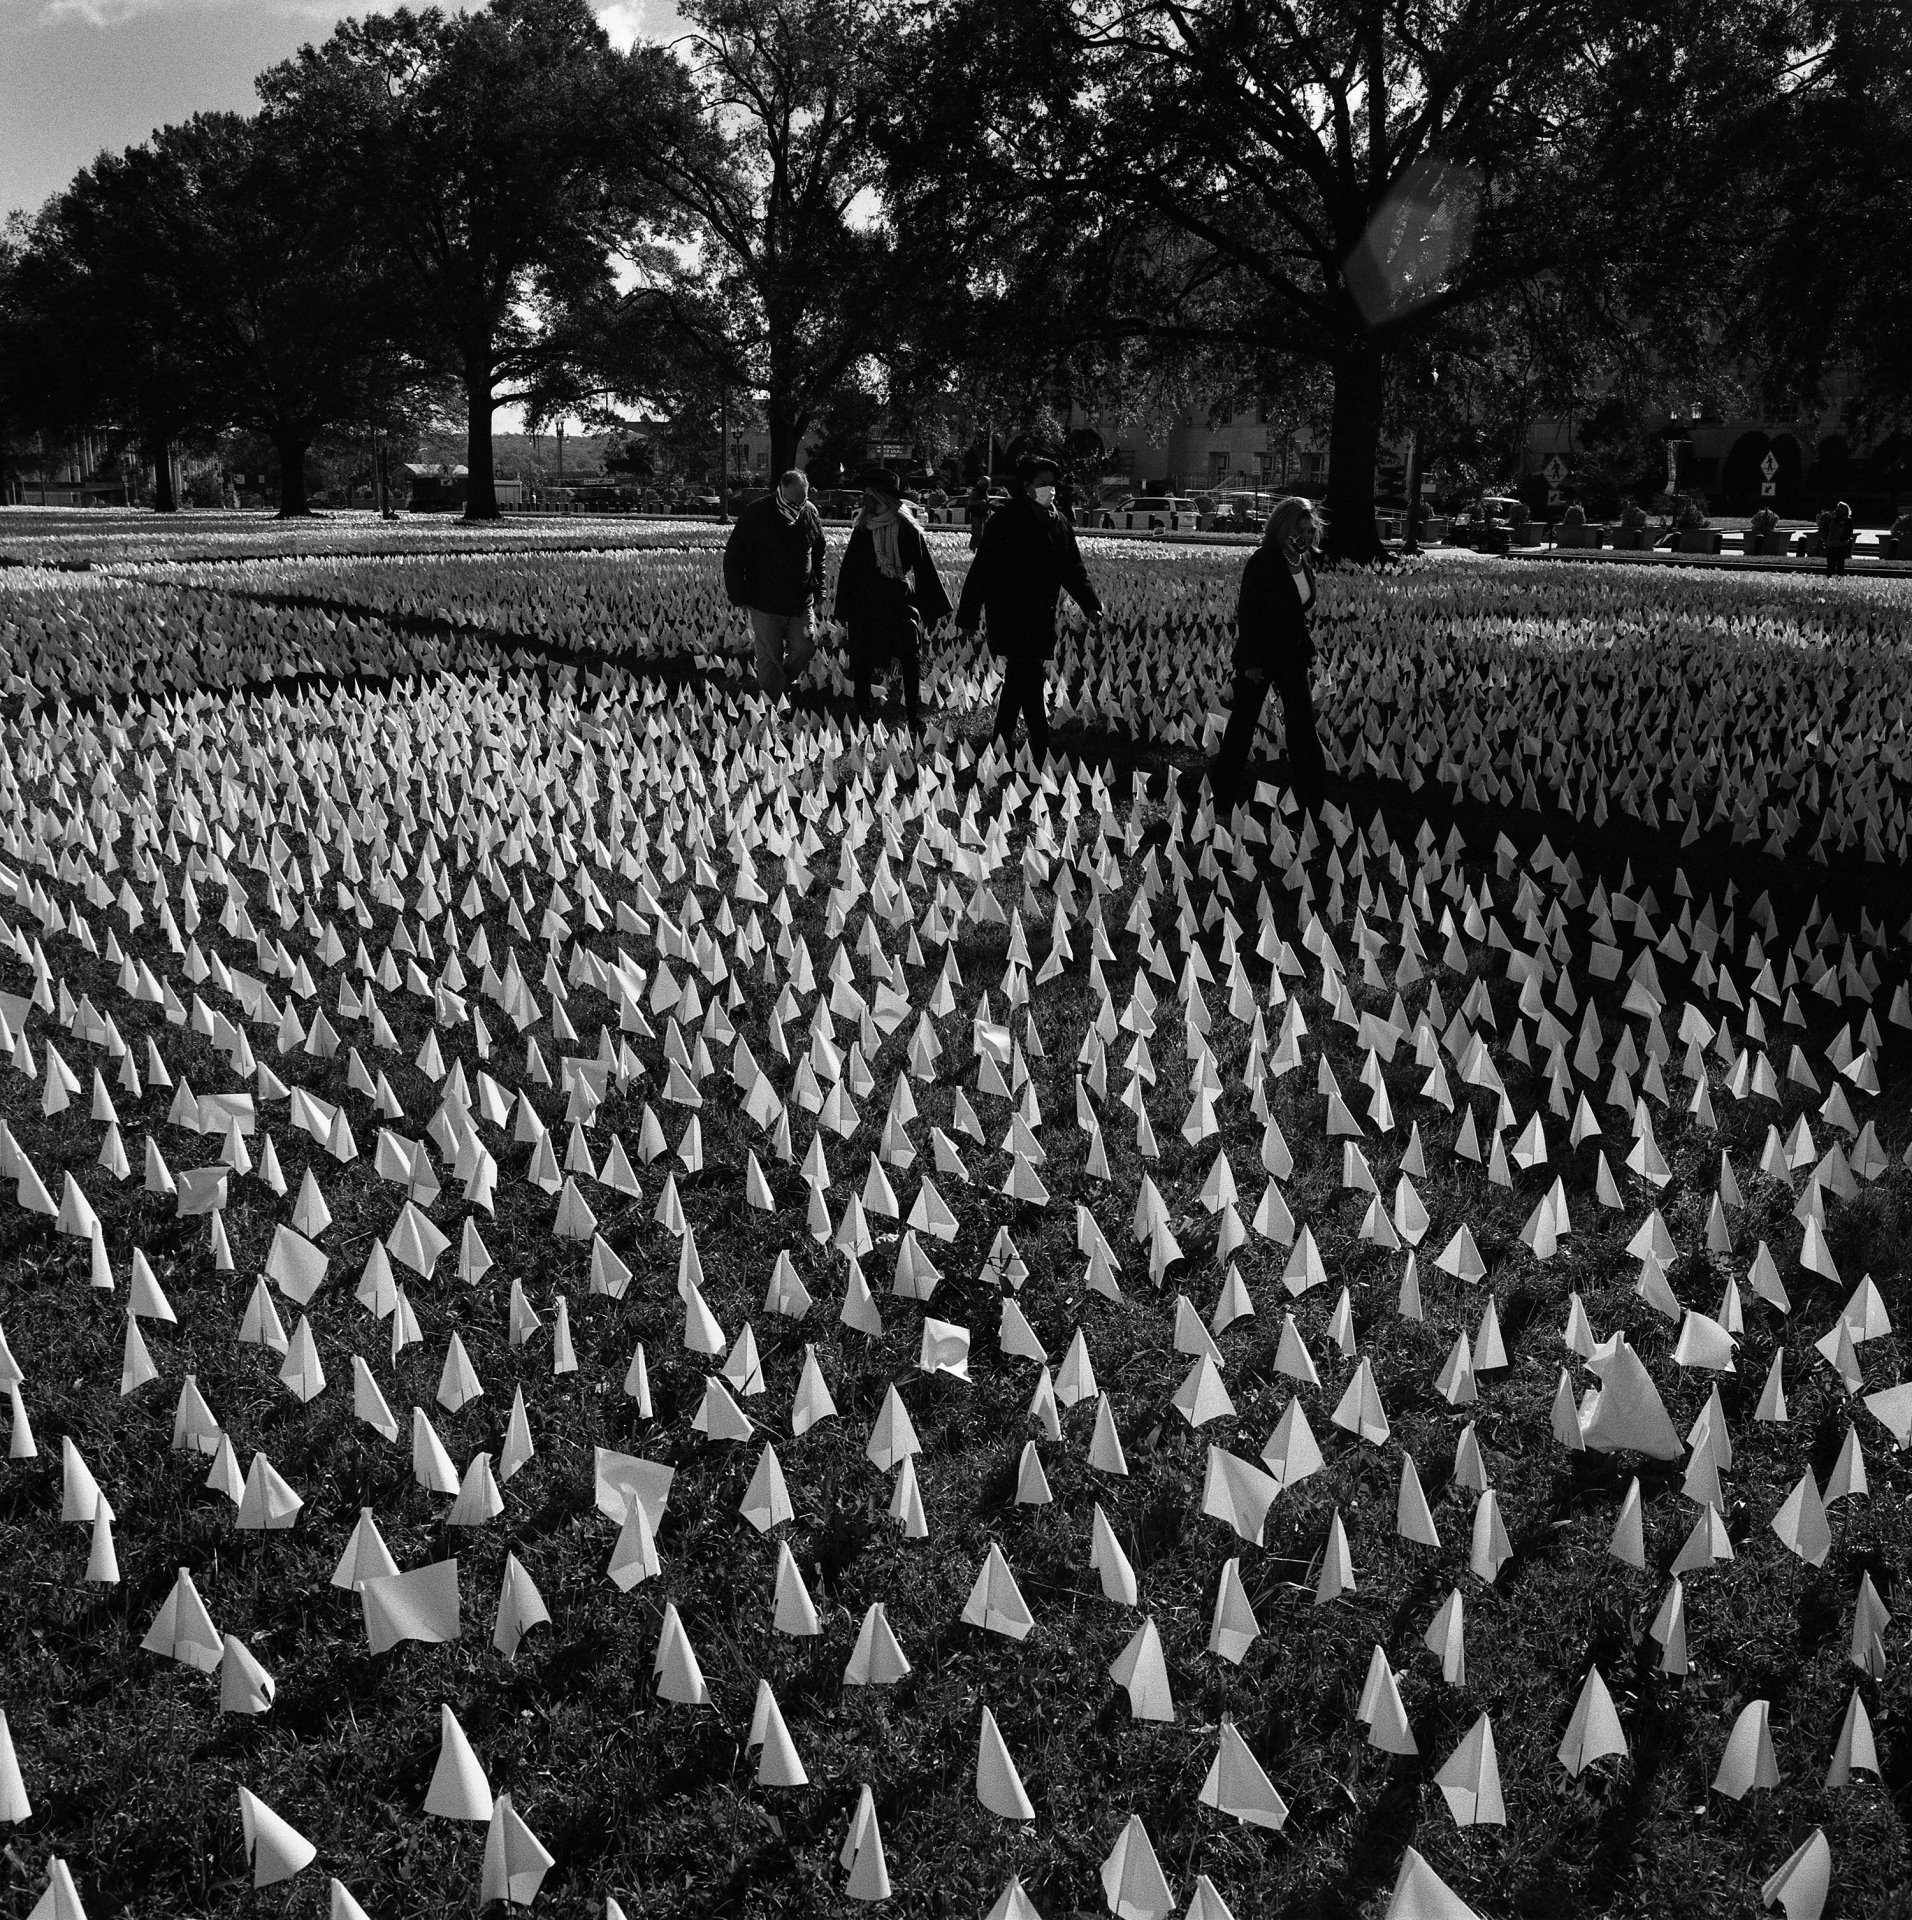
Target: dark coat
x: 771, y: 563
x: 1271, y: 626
x: 885, y: 617
x: 1028, y: 555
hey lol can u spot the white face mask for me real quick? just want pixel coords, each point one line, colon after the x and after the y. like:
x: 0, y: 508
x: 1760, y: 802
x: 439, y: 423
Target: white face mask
x: 1043, y: 496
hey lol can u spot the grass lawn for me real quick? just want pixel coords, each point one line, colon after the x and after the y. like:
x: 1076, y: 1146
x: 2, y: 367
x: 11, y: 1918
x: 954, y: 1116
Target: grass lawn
x: 545, y: 761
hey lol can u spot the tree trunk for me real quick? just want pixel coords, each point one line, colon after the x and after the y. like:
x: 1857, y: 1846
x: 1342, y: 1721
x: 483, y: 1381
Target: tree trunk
x: 290, y: 448
x: 481, y: 492
x: 787, y: 428
x: 1354, y: 438
x: 164, y: 499
x: 1412, y: 544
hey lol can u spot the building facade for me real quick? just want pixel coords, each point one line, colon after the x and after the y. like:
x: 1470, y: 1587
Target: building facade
x: 1253, y: 450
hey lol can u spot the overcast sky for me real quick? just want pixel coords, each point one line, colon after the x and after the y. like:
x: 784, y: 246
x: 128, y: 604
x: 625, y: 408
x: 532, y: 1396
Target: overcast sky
x: 79, y: 76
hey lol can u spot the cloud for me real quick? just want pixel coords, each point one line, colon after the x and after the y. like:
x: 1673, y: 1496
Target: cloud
x: 115, y: 13
x: 625, y: 21
x: 628, y: 21
x: 98, y: 13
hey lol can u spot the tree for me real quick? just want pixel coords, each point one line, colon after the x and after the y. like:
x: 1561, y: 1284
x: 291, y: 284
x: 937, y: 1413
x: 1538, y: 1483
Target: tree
x: 1823, y: 276
x: 498, y: 157
x: 15, y: 432
x: 800, y: 280
x: 89, y: 336
x: 849, y: 418
x: 268, y: 286
x: 1740, y: 477
x: 1333, y: 179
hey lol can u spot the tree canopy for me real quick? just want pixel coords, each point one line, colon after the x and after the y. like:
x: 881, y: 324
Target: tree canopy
x: 795, y: 276
x: 500, y: 156
x: 1821, y: 276
x: 1335, y: 179
x: 1448, y: 216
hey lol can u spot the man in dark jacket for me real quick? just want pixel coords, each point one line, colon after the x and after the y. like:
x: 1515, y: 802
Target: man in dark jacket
x: 1273, y: 646
x: 773, y: 568
x: 1028, y: 557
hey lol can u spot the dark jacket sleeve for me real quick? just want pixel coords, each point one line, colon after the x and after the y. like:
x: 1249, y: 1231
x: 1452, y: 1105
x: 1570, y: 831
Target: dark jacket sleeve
x: 859, y: 557
x: 969, y: 608
x: 1251, y: 617
x: 814, y: 521
x: 737, y: 568
x: 1075, y: 576
x: 932, y: 602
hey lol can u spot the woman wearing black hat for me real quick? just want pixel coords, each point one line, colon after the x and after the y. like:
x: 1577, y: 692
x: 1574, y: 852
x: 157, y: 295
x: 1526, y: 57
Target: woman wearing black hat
x: 888, y: 591
x: 1028, y: 557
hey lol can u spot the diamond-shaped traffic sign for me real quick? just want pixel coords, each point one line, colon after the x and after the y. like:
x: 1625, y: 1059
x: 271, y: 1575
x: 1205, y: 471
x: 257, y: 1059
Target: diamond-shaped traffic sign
x: 1555, y: 470
x: 1770, y: 466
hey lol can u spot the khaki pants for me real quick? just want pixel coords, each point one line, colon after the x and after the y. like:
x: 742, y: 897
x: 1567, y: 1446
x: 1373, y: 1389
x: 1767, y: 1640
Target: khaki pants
x: 785, y: 642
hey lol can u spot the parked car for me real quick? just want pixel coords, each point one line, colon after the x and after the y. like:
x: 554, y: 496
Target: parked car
x: 1150, y: 513
x: 697, y: 500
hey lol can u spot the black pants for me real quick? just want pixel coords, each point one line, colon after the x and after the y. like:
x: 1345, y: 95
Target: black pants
x: 1025, y: 691
x: 1307, y: 769
x: 1836, y: 559
x: 863, y: 671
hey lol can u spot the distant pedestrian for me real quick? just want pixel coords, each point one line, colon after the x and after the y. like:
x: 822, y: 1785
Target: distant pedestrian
x: 1836, y: 535
x: 888, y: 591
x: 1274, y: 645
x: 978, y: 513
x: 773, y: 568
x: 1027, y: 559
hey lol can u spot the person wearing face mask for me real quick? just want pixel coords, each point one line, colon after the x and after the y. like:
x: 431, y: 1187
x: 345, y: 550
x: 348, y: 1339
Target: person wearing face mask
x: 1027, y: 557
x: 888, y: 591
x: 1273, y: 645
x: 773, y: 568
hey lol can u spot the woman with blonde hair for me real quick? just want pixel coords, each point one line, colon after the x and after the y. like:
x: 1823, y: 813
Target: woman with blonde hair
x: 1273, y: 643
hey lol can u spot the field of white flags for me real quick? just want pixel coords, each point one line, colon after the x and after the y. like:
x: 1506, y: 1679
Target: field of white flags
x: 623, y: 1302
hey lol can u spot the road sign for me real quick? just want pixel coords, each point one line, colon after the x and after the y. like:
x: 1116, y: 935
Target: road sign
x: 1769, y: 467
x: 1555, y: 470
x: 1768, y: 489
